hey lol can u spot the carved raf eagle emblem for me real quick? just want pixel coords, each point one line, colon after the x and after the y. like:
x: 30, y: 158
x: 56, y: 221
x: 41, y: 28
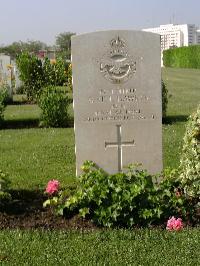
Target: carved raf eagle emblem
x: 117, y: 66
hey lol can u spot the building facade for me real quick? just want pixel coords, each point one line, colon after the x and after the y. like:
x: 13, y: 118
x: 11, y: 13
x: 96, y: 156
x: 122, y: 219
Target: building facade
x: 176, y: 35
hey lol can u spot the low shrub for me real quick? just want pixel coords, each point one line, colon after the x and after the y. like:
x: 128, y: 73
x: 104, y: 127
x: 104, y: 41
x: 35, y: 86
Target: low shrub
x: 164, y: 100
x: 190, y: 159
x: 54, y: 72
x: 120, y: 199
x: 69, y: 79
x: 123, y: 199
x: 31, y: 73
x: 21, y: 89
x: 54, y: 105
x: 36, y: 73
x: 182, y: 57
x: 172, y: 199
x: 3, y: 101
x: 4, y: 185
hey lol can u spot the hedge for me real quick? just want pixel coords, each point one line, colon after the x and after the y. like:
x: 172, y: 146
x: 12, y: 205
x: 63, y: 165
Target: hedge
x: 182, y: 57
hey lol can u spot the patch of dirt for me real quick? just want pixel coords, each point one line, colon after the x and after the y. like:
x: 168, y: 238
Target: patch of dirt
x: 26, y: 212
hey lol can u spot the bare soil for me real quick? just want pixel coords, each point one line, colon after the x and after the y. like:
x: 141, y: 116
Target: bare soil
x: 26, y: 212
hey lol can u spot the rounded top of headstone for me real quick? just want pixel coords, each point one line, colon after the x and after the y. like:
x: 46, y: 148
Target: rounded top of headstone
x: 115, y: 31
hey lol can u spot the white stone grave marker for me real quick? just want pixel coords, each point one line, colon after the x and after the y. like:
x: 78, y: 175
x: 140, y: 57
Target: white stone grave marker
x: 117, y: 99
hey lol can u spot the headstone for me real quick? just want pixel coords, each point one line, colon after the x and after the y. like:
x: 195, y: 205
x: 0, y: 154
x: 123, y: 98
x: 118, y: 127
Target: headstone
x: 17, y: 82
x: 5, y: 72
x: 117, y: 99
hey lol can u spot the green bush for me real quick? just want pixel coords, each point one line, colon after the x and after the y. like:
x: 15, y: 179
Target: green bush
x: 21, y: 89
x: 69, y: 79
x: 54, y: 105
x: 182, y: 57
x: 190, y: 160
x: 173, y: 201
x: 4, y: 185
x: 3, y: 99
x: 120, y: 199
x: 164, y: 100
x: 123, y: 199
x: 37, y: 74
x: 55, y: 73
x: 31, y: 73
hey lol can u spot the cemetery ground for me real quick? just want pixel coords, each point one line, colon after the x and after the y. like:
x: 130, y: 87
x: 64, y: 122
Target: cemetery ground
x: 32, y: 156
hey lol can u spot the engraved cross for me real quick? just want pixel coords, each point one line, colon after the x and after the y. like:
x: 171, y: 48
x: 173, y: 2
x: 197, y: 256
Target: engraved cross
x: 119, y: 144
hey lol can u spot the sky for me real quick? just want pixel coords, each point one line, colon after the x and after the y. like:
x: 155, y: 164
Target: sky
x: 44, y: 19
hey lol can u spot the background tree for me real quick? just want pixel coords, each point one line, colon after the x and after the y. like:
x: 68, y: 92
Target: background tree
x: 17, y: 47
x: 63, y: 42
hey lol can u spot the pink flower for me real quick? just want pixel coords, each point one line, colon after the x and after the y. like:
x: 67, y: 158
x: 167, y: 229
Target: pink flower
x: 174, y: 224
x: 178, y: 193
x: 52, y: 186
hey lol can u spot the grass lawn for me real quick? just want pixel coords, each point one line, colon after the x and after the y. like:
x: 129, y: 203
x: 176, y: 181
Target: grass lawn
x: 19, y: 116
x: 32, y: 156
x: 184, y: 95
x: 111, y: 247
x: 23, y: 112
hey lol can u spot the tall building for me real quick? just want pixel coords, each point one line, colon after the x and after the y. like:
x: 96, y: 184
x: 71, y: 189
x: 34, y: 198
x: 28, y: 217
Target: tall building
x: 176, y: 35
x: 198, y: 36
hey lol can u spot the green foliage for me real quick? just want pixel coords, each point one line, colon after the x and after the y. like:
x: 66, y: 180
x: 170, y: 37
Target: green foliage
x: 20, y: 90
x: 16, y: 48
x: 173, y: 201
x: 37, y: 74
x: 3, y: 97
x: 54, y: 105
x: 120, y: 199
x: 63, y: 41
x: 190, y: 160
x: 164, y: 100
x: 69, y: 79
x: 4, y: 185
x: 182, y: 57
x: 31, y: 73
x: 124, y: 199
x: 54, y: 72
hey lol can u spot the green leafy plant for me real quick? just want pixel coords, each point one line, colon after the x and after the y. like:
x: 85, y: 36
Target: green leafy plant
x: 55, y: 73
x: 63, y: 42
x: 182, y: 57
x: 69, y: 78
x: 190, y: 159
x: 37, y: 74
x: 54, y: 105
x: 4, y: 185
x: 3, y: 100
x: 172, y: 199
x: 126, y: 198
x: 164, y: 100
x: 120, y: 199
x: 31, y: 73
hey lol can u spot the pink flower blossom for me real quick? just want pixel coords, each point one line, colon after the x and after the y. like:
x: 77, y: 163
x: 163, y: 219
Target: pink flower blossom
x: 178, y: 193
x: 52, y: 186
x: 174, y: 224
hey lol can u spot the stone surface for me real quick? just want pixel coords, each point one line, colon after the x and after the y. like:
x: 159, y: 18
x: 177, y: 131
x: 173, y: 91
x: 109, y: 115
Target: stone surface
x: 18, y: 82
x: 117, y: 99
x: 5, y: 72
